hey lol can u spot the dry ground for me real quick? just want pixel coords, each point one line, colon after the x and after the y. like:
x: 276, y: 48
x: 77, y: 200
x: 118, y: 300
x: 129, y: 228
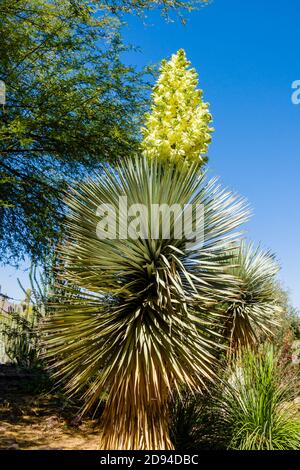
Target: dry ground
x: 32, y: 419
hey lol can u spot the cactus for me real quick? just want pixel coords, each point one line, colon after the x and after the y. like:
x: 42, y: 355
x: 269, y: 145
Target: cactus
x: 19, y: 324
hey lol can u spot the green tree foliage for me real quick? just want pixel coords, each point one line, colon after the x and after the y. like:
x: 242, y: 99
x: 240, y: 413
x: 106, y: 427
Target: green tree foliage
x: 71, y: 104
x: 70, y: 101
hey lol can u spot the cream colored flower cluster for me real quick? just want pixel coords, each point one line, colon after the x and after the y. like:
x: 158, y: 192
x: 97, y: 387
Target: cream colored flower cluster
x: 178, y: 127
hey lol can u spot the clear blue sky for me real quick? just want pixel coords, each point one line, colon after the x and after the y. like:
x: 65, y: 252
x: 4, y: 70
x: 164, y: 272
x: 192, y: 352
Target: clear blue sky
x: 247, y: 55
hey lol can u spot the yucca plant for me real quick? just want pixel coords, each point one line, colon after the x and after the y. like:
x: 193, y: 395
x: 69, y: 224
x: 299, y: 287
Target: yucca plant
x: 146, y: 303
x: 255, y: 311
x: 140, y: 325
x: 247, y: 320
x: 256, y: 403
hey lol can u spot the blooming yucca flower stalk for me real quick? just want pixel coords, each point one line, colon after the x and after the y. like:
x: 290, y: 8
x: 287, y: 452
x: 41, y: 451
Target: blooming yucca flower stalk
x: 178, y: 127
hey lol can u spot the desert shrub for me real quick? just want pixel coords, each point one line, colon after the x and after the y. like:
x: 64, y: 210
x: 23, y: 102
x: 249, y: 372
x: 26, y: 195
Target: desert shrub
x: 256, y: 404
x: 194, y: 423
x: 252, y: 407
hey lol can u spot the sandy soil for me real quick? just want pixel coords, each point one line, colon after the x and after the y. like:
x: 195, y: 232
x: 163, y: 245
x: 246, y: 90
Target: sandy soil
x: 40, y: 420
